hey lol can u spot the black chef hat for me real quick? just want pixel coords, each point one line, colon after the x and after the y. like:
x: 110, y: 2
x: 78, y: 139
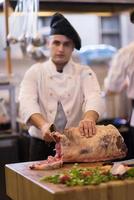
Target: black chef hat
x: 60, y: 25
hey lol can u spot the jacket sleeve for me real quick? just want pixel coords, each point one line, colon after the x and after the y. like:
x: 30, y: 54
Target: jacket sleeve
x: 28, y: 96
x: 92, y: 93
x: 117, y: 73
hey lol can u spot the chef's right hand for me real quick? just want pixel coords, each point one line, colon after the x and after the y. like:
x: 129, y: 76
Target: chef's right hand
x: 87, y: 127
x: 47, y: 135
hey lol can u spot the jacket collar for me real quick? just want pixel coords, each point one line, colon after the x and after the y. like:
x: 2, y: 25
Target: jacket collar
x: 67, y: 70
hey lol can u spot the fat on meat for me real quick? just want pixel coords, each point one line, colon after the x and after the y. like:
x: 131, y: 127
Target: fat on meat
x: 106, y: 144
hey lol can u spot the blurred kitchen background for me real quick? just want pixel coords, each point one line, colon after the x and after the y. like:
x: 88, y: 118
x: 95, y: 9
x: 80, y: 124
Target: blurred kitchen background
x: 104, y: 27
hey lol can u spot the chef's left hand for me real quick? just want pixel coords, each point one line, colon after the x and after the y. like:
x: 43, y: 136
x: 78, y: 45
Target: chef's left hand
x: 87, y: 127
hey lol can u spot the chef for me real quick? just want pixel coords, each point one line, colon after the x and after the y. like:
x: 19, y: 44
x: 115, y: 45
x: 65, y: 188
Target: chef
x: 120, y: 77
x: 59, y: 79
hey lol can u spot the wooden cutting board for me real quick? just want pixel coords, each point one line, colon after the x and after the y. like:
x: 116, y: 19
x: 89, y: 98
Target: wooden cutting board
x: 24, y: 184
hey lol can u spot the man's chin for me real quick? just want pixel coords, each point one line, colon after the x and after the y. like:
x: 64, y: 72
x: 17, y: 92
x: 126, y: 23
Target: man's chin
x: 60, y: 62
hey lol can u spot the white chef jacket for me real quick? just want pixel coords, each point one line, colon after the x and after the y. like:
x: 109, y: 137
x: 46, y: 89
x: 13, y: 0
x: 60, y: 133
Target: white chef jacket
x: 76, y: 87
x: 121, y: 70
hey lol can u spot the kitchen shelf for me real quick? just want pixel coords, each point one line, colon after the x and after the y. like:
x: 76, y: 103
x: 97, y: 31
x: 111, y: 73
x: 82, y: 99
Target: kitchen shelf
x: 10, y: 87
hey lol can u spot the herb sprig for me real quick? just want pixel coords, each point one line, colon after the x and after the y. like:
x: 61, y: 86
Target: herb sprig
x: 80, y: 176
x: 85, y: 176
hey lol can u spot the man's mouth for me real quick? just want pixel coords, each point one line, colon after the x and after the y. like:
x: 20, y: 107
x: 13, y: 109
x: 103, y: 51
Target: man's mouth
x: 60, y: 55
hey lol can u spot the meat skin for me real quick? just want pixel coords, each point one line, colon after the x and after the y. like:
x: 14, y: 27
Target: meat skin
x: 106, y: 144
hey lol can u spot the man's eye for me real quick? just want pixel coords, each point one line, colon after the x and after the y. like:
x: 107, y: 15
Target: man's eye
x: 56, y: 43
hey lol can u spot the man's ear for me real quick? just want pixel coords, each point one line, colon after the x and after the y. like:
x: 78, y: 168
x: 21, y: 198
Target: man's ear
x: 73, y: 48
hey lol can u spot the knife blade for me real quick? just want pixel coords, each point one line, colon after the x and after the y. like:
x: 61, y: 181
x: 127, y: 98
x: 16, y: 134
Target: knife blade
x: 129, y: 163
x: 60, y: 120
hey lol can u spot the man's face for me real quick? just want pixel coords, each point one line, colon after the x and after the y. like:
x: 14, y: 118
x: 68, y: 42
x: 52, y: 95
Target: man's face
x: 61, y: 48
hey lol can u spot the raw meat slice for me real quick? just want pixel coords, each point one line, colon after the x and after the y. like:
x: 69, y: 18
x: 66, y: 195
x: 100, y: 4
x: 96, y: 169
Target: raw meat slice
x: 50, y: 163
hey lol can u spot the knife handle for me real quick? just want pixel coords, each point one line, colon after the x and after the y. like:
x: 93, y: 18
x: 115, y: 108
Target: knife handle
x: 52, y: 128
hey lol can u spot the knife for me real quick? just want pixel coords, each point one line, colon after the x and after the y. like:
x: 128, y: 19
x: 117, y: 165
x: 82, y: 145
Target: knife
x: 129, y: 163
x: 60, y: 120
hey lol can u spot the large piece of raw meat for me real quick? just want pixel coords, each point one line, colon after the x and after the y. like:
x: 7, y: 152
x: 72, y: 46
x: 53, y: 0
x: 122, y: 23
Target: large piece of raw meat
x: 106, y: 144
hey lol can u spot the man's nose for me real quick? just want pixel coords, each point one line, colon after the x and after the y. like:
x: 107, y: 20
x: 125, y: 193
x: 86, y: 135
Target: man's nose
x: 61, y: 47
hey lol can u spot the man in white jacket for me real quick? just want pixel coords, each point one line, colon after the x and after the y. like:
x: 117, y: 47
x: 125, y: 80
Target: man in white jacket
x: 59, y: 79
x: 120, y: 77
